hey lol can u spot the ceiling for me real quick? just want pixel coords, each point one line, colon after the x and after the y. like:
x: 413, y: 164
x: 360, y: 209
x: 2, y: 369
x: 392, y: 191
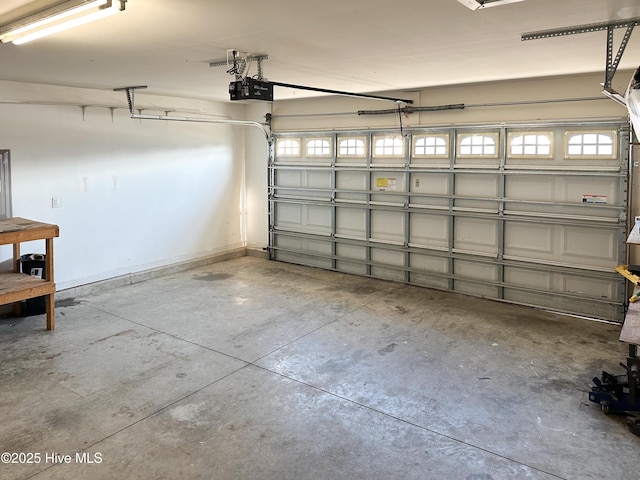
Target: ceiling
x: 356, y: 45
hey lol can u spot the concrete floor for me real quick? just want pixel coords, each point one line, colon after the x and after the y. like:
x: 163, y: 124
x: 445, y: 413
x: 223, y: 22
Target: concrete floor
x: 250, y: 369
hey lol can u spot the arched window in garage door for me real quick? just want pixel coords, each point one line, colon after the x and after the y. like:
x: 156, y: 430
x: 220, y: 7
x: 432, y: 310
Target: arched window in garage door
x: 478, y: 145
x: 599, y: 144
x: 530, y: 145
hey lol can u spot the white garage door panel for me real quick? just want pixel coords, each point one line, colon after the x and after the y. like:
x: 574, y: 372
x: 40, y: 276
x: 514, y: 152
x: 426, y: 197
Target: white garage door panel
x: 304, y: 245
x: 317, y: 179
x: 355, y: 252
x: 528, y: 240
x: 562, y: 192
x: 297, y: 183
x: 387, y: 226
x: 577, y: 188
x: 471, y: 188
x: 350, y: 180
x: 429, y: 270
x: 317, y: 219
x: 568, y: 245
x: 388, y: 182
x: 476, y: 235
x: 560, y: 188
x: 351, y: 223
x: 352, y: 268
x: 530, y: 187
x: 432, y: 184
x: 302, y: 259
x: 528, y: 278
x: 387, y: 257
x: 530, y: 225
x: 308, y: 218
x: 589, y: 246
x: 304, y: 178
x: 573, y: 284
x: 431, y: 231
x: 429, y: 263
x: 562, y: 304
x: 593, y: 287
x: 480, y: 271
x: 289, y: 178
x: 474, y: 185
x: 476, y: 289
x: 302, y: 250
x: 386, y: 273
x: 429, y: 280
x: 288, y: 215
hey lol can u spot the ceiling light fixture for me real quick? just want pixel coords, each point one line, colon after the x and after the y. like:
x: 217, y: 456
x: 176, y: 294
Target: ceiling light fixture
x: 477, y: 4
x: 62, y: 16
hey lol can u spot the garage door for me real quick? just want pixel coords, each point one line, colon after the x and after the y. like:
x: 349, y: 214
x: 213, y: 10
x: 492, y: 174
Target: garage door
x: 529, y: 214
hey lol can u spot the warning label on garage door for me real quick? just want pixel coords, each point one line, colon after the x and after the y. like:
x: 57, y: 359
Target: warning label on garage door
x: 599, y: 199
x: 386, y: 184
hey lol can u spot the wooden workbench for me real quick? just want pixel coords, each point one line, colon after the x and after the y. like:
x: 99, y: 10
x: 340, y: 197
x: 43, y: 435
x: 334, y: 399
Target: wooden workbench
x: 16, y: 286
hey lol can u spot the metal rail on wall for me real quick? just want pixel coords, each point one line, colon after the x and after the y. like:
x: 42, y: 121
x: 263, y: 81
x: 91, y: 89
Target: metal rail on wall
x: 130, y: 101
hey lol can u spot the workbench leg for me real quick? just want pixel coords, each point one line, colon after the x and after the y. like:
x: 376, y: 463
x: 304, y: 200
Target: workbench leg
x: 50, y: 299
x: 17, y: 307
x: 51, y: 322
x: 16, y: 257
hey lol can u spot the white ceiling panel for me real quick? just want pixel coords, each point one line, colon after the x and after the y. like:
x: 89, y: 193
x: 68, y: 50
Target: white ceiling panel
x: 358, y: 46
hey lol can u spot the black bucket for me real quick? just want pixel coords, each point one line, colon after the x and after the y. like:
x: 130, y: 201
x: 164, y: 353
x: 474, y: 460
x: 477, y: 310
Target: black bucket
x: 34, y: 264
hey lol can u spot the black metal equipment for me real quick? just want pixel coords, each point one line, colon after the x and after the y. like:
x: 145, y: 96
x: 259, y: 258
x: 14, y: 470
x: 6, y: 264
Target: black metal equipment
x: 621, y: 393
x: 251, y: 89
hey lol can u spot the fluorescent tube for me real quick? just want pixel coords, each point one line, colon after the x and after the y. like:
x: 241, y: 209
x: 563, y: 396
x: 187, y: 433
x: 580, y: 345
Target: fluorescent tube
x: 85, y: 13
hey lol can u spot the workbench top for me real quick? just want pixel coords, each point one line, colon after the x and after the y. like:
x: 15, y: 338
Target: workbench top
x: 16, y: 230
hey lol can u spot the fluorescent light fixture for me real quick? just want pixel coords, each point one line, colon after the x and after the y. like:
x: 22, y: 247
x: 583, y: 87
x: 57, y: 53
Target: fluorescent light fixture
x: 58, y: 18
x: 477, y: 4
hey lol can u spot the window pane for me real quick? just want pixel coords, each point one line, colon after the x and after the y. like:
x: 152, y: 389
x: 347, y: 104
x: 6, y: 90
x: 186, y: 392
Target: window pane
x: 430, y: 145
x: 318, y: 147
x: 530, y: 144
x: 288, y: 147
x: 351, y: 147
x: 388, y: 146
x: 478, y: 145
x: 591, y: 144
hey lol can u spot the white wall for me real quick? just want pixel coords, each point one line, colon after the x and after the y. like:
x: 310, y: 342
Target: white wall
x: 134, y: 194
x: 257, y: 152
x: 341, y: 112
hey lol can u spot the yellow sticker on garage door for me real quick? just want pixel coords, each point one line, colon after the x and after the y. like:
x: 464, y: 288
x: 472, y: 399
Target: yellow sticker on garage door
x: 386, y: 184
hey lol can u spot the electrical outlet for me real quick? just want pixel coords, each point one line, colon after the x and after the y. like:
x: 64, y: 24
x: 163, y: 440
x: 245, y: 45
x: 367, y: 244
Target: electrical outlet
x: 56, y: 202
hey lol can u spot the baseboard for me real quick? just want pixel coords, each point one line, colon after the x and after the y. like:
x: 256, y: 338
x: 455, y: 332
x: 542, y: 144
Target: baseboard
x: 258, y: 252
x: 144, y: 275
